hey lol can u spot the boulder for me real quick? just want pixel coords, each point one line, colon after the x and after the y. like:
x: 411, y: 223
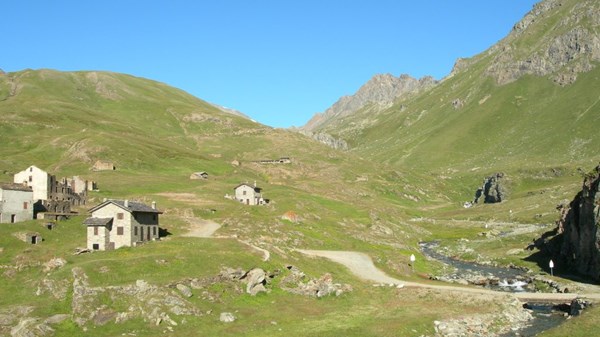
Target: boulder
x: 254, y: 278
x: 226, y: 317
x: 184, y: 290
x: 54, y: 263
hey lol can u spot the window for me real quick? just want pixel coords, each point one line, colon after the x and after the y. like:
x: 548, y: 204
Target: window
x: 154, y: 231
x: 244, y: 193
x: 95, y: 230
x: 120, y: 216
x: 30, y: 178
x: 135, y: 230
x: 154, y: 217
x: 120, y: 230
x: 25, y: 205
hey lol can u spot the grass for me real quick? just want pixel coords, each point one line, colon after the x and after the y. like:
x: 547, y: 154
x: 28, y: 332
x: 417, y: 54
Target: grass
x: 421, y: 165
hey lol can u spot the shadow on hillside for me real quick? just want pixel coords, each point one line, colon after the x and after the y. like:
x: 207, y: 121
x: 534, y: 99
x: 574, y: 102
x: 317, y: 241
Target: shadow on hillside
x: 163, y: 232
x: 548, y: 243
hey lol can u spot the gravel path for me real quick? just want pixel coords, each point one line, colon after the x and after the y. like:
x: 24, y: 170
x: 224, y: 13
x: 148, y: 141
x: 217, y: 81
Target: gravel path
x: 361, y: 265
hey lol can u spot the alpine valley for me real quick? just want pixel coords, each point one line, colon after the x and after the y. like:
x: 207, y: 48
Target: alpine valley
x: 496, y: 164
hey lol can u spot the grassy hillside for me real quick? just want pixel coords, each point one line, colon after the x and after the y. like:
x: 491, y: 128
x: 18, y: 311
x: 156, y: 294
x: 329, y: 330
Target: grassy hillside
x: 157, y: 136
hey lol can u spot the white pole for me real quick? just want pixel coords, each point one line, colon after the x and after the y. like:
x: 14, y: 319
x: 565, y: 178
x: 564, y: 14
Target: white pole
x: 551, y: 264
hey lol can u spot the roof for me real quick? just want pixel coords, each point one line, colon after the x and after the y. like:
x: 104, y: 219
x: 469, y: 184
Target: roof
x: 97, y: 221
x: 255, y: 188
x: 16, y: 187
x: 132, y: 206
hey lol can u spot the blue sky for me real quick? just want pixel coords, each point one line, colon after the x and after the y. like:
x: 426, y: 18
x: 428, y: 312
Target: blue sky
x: 279, y: 62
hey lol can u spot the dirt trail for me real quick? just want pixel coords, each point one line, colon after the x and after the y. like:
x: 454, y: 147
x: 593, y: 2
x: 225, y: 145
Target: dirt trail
x: 361, y: 265
x: 201, y: 228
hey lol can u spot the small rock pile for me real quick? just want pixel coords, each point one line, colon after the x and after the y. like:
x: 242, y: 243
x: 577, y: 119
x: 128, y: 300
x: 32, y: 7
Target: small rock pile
x: 296, y: 283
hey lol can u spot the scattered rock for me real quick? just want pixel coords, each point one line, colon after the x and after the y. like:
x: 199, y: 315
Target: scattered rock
x: 58, y: 318
x: 31, y: 327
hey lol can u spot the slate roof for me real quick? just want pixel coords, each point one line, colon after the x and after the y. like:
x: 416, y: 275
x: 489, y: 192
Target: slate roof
x: 132, y: 206
x: 256, y: 189
x: 98, y: 221
x: 16, y: 187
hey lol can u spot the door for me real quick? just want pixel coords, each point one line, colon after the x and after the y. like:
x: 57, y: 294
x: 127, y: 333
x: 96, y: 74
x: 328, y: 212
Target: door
x: 13, y: 218
x: 148, y: 234
x: 141, y: 233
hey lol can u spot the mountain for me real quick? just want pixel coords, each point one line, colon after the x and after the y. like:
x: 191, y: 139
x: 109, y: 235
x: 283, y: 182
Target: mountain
x: 379, y: 93
x: 530, y: 100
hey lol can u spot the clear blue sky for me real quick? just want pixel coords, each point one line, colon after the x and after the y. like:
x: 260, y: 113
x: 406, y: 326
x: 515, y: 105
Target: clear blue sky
x: 277, y: 61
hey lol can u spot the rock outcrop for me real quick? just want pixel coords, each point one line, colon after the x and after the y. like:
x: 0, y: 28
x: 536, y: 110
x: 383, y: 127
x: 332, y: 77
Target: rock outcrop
x: 336, y: 143
x: 577, y: 243
x: 492, y: 190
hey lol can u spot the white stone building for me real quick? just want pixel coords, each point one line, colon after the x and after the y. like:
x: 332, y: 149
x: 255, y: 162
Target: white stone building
x: 51, y: 195
x: 39, y: 181
x: 121, y: 223
x: 16, y: 203
x: 249, y: 195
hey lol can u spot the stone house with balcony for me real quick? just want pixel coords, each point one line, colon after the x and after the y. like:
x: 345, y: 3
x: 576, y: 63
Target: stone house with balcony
x: 121, y: 223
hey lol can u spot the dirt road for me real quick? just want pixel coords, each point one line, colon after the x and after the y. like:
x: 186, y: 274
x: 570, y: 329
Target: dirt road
x: 361, y: 265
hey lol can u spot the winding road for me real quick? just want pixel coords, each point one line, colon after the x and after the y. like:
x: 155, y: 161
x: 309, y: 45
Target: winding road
x: 361, y: 265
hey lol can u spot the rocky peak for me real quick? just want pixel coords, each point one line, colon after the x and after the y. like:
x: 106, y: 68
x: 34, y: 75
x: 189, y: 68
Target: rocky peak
x: 568, y: 43
x: 381, y: 90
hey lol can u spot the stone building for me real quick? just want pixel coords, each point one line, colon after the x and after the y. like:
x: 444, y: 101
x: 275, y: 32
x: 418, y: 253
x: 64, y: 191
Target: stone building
x: 16, y: 203
x: 50, y: 194
x: 249, y: 195
x: 199, y: 175
x: 121, y: 223
x: 101, y: 165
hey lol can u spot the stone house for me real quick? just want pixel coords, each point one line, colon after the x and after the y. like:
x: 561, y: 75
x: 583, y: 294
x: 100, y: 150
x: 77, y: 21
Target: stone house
x: 249, y: 195
x: 50, y: 194
x: 101, y: 165
x: 121, y: 223
x: 16, y: 203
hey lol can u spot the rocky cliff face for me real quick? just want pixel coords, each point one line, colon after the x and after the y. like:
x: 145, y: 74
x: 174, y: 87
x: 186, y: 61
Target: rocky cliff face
x: 381, y: 90
x: 560, y: 49
x: 577, y: 244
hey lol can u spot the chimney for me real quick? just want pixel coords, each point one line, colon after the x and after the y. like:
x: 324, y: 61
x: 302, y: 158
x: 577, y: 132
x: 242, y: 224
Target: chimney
x: 255, y: 183
x: 154, y: 205
x: 126, y: 203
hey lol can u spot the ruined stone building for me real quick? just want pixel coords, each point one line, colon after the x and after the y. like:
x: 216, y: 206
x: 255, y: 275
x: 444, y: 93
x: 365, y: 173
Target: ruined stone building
x: 16, y: 203
x: 121, y: 223
x: 50, y: 194
x: 249, y: 195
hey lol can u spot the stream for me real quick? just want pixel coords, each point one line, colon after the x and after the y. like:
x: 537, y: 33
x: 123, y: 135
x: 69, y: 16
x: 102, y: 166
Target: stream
x: 500, y: 279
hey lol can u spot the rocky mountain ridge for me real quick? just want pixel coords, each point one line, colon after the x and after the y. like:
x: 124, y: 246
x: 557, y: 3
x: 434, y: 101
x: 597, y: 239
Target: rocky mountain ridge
x: 565, y: 48
x: 381, y: 91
